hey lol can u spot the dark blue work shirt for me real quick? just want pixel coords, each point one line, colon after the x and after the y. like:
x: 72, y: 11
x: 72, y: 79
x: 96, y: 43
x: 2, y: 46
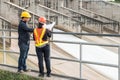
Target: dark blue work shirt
x: 23, y: 32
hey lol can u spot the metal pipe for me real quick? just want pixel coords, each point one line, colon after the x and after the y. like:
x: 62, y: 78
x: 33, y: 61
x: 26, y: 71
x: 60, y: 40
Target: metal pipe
x: 33, y: 21
x: 101, y: 64
x: 80, y: 60
x: 12, y: 30
x: 88, y: 34
x: 119, y: 62
x: 71, y: 60
x: 4, y: 45
x: 74, y: 33
x: 83, y: 43
x: 109, y: 45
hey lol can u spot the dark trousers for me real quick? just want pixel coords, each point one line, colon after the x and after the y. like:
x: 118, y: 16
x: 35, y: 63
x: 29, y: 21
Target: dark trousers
x: 44, y: 52
x: 23, y: 55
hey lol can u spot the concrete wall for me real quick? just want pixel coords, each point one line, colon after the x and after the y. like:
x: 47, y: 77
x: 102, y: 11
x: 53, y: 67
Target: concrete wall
x: 108, y: 9
x: 13, y: 14
x: 8, y: 12
x: 72, y: 4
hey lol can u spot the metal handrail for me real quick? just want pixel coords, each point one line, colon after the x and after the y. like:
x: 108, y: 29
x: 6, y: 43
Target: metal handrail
x: 74, y: 33
x: 85, y: 43
x: 65, y: 59
x: 81, y: 61
x: 88, y: 34
x: 5, y: 51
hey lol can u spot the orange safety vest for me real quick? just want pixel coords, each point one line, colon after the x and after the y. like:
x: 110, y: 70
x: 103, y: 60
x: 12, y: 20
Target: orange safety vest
x: 38, y: 34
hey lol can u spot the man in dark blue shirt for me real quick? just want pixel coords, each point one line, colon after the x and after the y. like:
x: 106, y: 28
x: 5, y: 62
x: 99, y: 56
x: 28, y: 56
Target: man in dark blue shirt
x: 23, y: 41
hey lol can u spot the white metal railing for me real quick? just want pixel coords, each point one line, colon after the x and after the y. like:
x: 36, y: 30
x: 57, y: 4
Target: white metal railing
x: 4, y: 37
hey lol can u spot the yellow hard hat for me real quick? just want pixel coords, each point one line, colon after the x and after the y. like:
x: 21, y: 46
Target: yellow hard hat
x: 25, y: 14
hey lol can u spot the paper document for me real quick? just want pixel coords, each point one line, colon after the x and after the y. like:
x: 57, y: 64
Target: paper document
x: 50, y: 26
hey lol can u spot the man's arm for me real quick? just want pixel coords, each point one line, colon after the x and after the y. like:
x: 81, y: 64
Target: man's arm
x: 25, y: 27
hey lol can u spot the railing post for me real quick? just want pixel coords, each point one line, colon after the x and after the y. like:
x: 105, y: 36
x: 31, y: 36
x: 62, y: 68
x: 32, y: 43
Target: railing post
x: 118, y: 28
x: 4, y: 45
x: 51, y: 43
x: 33, y: 21
x: 80, y: 61
x: 119, y: 62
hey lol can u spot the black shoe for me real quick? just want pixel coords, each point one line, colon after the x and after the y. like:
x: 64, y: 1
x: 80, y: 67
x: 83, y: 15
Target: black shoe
x: 27, y: 70
x: 41, y: 75
x: 48, y: 75
x: 20, y: 71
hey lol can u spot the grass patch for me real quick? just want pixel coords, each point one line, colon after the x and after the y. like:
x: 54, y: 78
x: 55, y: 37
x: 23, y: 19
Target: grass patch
x: 6, y: 75
x: 115, y: 1
x: 118, y: 1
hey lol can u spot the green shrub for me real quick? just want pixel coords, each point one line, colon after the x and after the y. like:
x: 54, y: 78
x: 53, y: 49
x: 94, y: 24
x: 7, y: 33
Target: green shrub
x: 6, y: 75
x: 117, y: 0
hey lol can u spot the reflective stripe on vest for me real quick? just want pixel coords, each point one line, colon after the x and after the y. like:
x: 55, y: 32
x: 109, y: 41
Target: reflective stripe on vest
x: 38, y: 37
